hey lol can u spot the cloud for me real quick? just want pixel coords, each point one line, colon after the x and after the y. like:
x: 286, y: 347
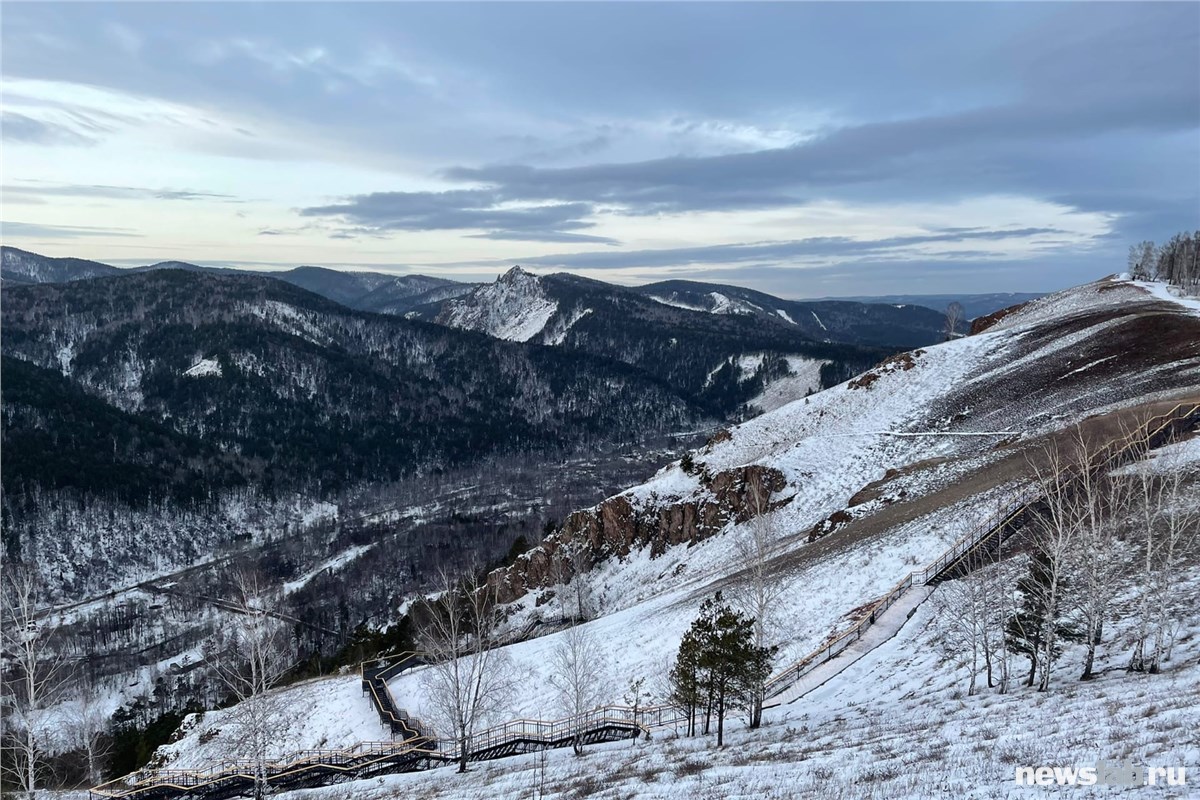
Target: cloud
x: 947, y: 148
x: 36, y: 230
x: 465, y: 209
x: 547, y: 236
x: 22, y: 128
x: 114, y: 192
x: 819, y: 247
x: 124, y: 37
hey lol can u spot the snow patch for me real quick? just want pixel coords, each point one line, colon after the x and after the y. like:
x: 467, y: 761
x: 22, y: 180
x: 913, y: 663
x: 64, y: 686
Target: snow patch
x: 804, y: 378
x: 723, y: 304
x: 203, y: 368
x: 329, y: 565
x: 675, y: 303
x: 559, y: 334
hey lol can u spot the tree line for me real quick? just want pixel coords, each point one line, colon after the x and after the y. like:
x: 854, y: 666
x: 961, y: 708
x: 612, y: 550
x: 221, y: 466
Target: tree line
x: 1106, y: 543
x: 1176, y: 261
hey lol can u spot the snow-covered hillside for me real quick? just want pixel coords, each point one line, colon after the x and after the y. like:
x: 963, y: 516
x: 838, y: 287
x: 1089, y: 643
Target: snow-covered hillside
x: 20, y: 266
x: 880, y: 475
x: 515, y: 308
x: 868, y: 734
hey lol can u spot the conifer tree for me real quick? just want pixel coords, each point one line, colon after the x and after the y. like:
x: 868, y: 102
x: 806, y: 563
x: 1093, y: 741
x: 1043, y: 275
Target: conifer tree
x: 719, y: 664
x: 1027, y: 630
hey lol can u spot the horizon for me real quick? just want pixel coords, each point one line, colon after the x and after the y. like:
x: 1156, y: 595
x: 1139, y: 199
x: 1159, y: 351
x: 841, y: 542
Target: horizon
x: 803, y: 150
x: 280, y: 269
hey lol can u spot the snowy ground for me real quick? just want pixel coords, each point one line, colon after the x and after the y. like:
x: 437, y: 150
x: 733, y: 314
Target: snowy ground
x: 895, y: 724
x: 330, y: 713
x: 866, y: 732
x: 805, y: 377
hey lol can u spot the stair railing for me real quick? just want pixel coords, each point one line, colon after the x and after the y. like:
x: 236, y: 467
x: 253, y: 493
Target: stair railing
x: 1187, y: 412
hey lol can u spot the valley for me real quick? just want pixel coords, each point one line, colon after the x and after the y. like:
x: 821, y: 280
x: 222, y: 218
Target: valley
x: 852, y: 487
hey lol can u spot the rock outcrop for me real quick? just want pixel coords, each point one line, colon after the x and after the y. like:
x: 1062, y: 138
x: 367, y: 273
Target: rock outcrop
x: 617, y: 527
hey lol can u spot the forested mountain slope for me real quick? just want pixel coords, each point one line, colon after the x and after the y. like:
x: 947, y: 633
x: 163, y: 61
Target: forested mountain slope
x: 314, y: 393
x: 385, y: 293
x: 881, y: 324
x: 723, y: 360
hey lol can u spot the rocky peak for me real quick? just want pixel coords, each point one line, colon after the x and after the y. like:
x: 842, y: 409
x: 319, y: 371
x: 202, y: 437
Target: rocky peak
x: 516, y: 276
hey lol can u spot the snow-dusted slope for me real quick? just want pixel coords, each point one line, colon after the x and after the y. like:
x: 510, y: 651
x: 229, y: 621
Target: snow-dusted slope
x: 913, y: 454
x: 20, y: 266
x: 895, y: 725
x: 515, y: 307
x: 804, y: 378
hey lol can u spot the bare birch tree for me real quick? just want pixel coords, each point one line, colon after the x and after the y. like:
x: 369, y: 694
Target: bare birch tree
x: 1142, y: 259
x: 249, y: 654
x: 36, y: 673
x: 571, y: 571
x: 1055, y: 531
x: 470, y: 679
x: 1167, y: 533
x: 962, y: 606
x: 999, y: 577
x: 579, y: 677
x: 1097, y: 502
x: 86, y: 725
x: 760, y: 588
x: 955, y: 316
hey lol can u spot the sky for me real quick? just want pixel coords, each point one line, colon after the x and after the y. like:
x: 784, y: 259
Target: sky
x: 803, y: 149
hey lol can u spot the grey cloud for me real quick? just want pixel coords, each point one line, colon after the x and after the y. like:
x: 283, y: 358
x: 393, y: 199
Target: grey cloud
x: 918, y: 276
x: 467, y: 209
x: 20, y: 128
x: 546, y: 236
x: 864, y: 154
x: 114, y: 192
x: 33, y: 229
x: 814, y: 247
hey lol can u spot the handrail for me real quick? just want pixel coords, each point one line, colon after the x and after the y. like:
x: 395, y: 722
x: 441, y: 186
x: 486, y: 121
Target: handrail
x: 962, y: 548
x: 623, y: 720
x: 390, y: 714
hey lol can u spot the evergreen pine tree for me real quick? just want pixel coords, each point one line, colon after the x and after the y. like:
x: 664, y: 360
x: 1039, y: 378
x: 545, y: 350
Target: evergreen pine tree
x: 718, y: 664
x: 1026, y: 630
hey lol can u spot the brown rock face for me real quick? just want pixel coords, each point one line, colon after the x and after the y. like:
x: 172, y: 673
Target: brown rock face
x: 616, y: 527
x: 981, y: 324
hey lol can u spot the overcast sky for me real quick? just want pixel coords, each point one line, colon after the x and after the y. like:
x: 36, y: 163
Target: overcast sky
x: 802, y: 149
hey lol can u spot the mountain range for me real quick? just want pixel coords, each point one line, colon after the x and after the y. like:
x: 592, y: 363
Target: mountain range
x: 398, y: 294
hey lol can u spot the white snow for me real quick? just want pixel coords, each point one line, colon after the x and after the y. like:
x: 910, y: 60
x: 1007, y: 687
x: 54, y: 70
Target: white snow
x: 299, y: 322
x: 559, y: 333
x: 785, y: 315
x: 818, y: 319
x: 805, y: 377
x: 322, y: 713
x: 1162, y: 291
x: 894, y: 724
x: 204, y: 367
x: 723, y: 304
x: 515, y: 308
x: 329, y: 565
x: 748, y: 364
x: 65, y: 354
x: 675, y: 303
x: 862, y: 722
x: 1089, y: 365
